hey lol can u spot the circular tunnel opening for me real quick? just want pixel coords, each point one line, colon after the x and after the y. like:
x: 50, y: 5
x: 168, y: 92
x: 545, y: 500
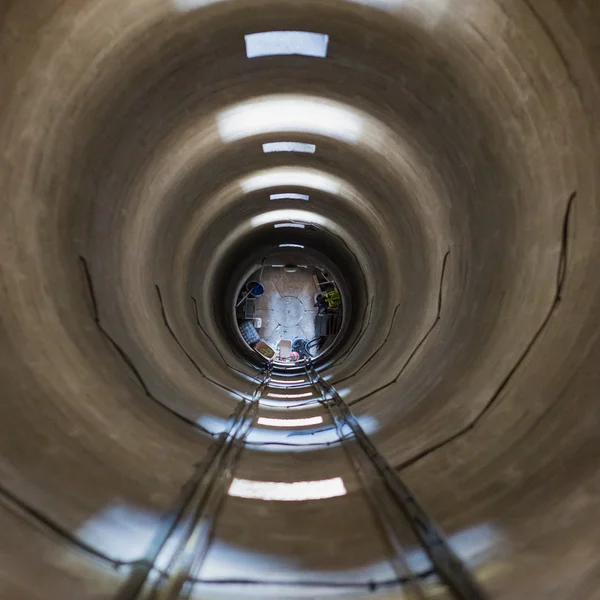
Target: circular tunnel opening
x: 291, y: 308
x: 291, y: 294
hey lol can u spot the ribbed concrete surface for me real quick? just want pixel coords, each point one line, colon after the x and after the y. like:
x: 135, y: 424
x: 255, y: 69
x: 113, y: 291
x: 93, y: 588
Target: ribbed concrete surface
x: 478, y: 122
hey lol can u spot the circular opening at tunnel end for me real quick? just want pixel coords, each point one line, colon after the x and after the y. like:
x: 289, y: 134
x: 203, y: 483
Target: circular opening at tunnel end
x: 287, y: 312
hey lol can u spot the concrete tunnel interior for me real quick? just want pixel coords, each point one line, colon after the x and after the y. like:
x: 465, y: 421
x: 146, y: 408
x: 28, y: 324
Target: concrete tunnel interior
x: 452, y: 185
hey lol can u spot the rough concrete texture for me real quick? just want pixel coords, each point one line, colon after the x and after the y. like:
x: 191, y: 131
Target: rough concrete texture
x: 462, y: 137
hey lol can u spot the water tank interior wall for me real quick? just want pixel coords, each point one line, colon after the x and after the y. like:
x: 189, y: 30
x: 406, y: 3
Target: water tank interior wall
x: 468, y: 193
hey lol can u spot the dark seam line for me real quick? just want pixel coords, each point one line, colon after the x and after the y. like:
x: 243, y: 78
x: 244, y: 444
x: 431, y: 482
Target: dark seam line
x: 366, y: 320
x: 385, y: 521
x: 546, y: 29
x: 310, y: 445
x: 127, y: 360
x: 320, y: 228
x: 41, y: 519
x: 91, y: 290
x: 169, y: 521
x: 332, y: 584
x: 387, y: 337
x: 172, y: 518
x: 47, y: 523
x: 363, y: 330
x: 448, y: 566
x: 215, y: 345
x: 420, y: 344
x: 306, y: 434
x: 560, y: 281
x: 226, y: 463
x: 210, y: 338
x: 189, y: 356
x: 307, y: 403
x: 562, y: 265
x: 276, y: 289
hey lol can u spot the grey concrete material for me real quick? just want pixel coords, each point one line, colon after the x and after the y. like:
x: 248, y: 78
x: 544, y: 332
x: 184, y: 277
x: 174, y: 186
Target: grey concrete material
x: 35, y: 563
x: 81, y: 462
x: 293, y: 466
x: 289, y: 526
x: 351, y: 554
x: 289, y: 311
x: 496, y: 106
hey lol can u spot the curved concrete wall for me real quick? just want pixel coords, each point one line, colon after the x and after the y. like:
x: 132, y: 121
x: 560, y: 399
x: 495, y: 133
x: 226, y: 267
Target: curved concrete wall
x: 462, y: 137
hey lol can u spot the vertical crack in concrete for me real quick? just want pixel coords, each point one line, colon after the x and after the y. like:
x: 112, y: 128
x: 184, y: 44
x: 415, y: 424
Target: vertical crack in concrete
x: 124, y: 356
x: 559, y: 51
x: 374, y: 353
x: 558, y: 294
x: 367, y: 315
x: 48, y: 526
x: 215, y: 345
x: 187, y: 354
x: 421, y: 342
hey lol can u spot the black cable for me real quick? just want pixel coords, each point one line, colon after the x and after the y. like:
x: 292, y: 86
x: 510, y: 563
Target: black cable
x: 314, y: 343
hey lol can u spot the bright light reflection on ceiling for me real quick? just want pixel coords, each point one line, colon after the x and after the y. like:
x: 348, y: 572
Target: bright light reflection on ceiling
x: 290, y: 396
x: 290, y: 245
x: 293, y: 225
x: 289, y: 147
x: 288, y: 492
x: 289, y: 422
x: 304, y: 197
x: 292, y: 215
x: 290, y: 113
x: 288, y: 381
x: 291, y: 177
x: 275, y: 43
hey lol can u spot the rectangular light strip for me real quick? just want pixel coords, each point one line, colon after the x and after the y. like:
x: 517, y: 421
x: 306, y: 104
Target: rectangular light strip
x: 288, y: 381
x: 278, y: 43
x: 289, y: 422
x: 291, y: 246
x: 304, y: 197
x: 292, y: 396
x: 289, y: 147
x: 294, y: 225
x: 291, y: 177
x: 288, y: 492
